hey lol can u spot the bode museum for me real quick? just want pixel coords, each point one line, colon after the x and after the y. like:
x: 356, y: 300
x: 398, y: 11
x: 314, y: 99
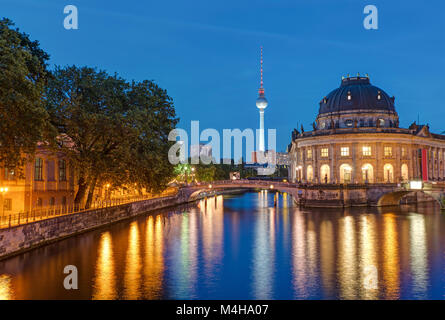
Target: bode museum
x: 356, y: 139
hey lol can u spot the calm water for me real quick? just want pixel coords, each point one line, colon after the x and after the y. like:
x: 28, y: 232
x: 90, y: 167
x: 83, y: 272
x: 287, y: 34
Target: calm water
x: 242, y: 248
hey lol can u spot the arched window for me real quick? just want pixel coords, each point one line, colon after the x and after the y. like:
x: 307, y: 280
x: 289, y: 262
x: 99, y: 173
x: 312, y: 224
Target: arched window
x: 405, y: 174
x: 309, y: 173
x: 368, y: 173
x: 388, y: 172
x: 345, y: 173
x: 325, y: 173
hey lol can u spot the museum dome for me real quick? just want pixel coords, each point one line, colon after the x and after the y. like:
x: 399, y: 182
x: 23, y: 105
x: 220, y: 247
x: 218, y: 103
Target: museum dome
x: 357, y: 94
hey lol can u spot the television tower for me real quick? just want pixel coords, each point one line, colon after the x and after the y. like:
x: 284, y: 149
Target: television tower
x: 261, y: 104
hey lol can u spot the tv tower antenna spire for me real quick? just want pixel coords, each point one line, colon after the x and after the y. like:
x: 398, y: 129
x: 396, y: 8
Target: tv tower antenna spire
x: 261, y: 104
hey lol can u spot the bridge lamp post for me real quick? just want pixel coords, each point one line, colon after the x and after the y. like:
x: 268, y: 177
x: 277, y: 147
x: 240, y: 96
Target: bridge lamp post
x: 271, y: 186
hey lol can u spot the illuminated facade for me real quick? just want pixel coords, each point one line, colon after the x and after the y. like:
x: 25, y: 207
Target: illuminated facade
x: 356, y: 138
x: 48, y: 182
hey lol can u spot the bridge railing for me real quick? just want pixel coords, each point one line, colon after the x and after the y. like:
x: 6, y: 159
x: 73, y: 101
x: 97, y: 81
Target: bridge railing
x: 43, y: 213
x: 263, y: 183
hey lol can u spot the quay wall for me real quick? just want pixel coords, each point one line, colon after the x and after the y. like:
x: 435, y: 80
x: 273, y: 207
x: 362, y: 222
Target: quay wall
x: 18, y: 239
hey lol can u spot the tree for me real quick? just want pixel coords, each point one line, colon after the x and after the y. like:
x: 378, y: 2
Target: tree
x: 116, y: 132
x: 23, y: 74
x: 151, y: 116
x: 88, y: 108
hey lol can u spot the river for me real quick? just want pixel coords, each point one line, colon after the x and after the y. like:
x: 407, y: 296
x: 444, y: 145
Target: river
x: 241, y: 247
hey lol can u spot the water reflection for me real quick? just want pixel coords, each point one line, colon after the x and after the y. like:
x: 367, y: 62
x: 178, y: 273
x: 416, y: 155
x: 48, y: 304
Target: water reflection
x: 132, y: 274
x: 347, y: 259
x: 153, y: 260
x: 244, y: 247
x: 264, y: 250
x: 368, y: 257
x: 212, y: 237
x: 391, y: 262
x: 299, y: 270
x: 418, y: 256
x: 105, y: 281
x: 6, y: 292
x: 327, y: 257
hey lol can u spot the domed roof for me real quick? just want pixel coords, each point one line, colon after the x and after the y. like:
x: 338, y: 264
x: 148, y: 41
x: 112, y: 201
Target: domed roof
x: 357, y: 93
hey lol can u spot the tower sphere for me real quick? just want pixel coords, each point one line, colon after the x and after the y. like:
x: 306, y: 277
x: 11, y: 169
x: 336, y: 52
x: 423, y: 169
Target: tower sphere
x: 261, y: 102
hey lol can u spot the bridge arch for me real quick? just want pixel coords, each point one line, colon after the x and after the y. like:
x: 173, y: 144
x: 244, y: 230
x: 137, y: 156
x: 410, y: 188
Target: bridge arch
x: 394, y: 198
x: 194, y: 192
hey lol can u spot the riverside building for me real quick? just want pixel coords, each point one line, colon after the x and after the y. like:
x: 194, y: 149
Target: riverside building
x: 356, y: 139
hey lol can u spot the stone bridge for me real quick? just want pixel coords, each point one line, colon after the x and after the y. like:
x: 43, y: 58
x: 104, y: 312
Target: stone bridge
x: 324, y: 195
x: 193, y: 192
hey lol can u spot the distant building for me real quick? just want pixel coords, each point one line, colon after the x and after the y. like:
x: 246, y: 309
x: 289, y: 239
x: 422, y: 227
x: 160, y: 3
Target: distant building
x: 201, y: 151
x: 282, y: 159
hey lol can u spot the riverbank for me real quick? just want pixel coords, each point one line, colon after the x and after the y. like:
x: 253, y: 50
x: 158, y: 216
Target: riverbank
x: 18, y: 239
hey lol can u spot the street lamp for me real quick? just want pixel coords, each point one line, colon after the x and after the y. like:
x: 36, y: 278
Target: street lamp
x: 3, y: 190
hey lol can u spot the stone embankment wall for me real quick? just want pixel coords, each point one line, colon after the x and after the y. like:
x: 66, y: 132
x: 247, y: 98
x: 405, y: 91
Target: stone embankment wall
x: 17, y: 239
x: 338, y: 196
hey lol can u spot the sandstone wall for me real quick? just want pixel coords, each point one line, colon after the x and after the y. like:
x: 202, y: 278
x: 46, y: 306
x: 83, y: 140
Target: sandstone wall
x: 21, y: 238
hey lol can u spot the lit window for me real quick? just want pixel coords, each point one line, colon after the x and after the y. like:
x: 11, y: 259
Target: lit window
x: 38, y: 169
x: 381, y: 122
x: 366, y: 150
x: 324, y: 152
x: 349, y: 95
x: 379, y: 96
x: 403, y: 152
x: 388, y: 151
x: 62, y: 170
x: 309, y: 153
x: 9, y: 174
x: 349, y: 123
x: 344, y: 151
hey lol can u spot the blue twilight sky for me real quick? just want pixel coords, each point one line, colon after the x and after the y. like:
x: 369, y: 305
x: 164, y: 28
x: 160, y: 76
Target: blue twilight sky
x: 206, y: 53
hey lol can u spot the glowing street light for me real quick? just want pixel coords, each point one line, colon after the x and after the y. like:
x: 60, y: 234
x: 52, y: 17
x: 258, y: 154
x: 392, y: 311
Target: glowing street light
x: 3, y: 190
x: 415, y: 185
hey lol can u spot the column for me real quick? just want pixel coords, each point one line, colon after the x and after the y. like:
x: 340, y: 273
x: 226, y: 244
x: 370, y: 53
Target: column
x: 378, y: 163
x: 354, y: 174
x: 398, y: 155
x: 333, y: 170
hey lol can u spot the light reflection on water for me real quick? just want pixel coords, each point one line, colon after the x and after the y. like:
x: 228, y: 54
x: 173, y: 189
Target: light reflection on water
x: 242, y: 247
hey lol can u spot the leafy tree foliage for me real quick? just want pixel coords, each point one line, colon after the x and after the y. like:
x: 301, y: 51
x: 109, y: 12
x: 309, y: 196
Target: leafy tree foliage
x: 114, y: 132
x: 23, y: 74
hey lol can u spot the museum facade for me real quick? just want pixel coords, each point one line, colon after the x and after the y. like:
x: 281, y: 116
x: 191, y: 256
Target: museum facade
x: 356, y: 139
